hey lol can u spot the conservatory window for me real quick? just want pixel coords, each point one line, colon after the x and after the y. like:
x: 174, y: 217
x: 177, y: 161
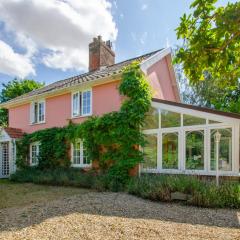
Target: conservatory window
x: 170, y: 119
x: 195, y: 150
x: 225, y: 150
x: 150, y: 152
x: 151, y: 119
x: 189, y: 120
x: 170, y: 150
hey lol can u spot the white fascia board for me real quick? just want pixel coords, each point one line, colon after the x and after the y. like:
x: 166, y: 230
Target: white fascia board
x: 146, y: 64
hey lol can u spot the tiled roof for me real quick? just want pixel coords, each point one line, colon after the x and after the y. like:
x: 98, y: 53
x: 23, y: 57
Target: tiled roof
x: 86, y: 77
x: 14, y: 132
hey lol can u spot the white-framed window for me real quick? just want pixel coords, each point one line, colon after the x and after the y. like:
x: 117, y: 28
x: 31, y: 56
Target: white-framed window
x: 37, y: 112
x: 34, y: 153
x: 180, y: 140
x: 82, y: 103
x: 79, y: 154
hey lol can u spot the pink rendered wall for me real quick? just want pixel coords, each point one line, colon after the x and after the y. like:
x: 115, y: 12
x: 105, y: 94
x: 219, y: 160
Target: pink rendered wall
x: 161, y: 81
x: 58, y: 109
x: 105, y: 99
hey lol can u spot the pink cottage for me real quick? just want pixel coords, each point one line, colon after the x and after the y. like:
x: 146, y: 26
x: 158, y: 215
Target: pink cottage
x: 96, y: 93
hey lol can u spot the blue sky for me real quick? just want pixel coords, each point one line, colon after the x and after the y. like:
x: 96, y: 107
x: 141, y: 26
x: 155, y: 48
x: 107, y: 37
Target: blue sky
x: 44, y: 46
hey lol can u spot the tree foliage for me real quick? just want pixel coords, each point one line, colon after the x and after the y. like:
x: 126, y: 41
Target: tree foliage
x: 13, y: 89
x: 211, y: 43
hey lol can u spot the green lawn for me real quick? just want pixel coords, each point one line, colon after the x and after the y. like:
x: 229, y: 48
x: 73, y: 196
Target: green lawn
x: 20, y: 194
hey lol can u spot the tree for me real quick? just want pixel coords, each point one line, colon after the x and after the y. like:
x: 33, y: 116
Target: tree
x: 14, y: 89
x: 211, y: 43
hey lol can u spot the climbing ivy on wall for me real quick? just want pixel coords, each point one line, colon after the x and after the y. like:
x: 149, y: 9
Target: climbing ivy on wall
x: 54, y: 148
x: 112, y: 140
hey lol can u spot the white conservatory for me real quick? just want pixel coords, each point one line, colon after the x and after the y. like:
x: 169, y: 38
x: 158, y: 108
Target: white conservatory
x: 185, y: 139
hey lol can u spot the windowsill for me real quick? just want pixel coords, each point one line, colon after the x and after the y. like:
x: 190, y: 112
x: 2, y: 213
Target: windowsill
x: 81, y: 166
x: 190, y: 172
x: 33, y: 165
x: 82, y: 116
x: 38, y: 123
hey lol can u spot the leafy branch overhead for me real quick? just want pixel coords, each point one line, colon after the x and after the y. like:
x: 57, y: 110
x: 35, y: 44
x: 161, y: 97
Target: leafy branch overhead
x: 211, y: 43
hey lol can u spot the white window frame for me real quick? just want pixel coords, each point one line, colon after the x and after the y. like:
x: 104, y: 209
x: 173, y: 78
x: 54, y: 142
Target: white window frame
x: 224, y: 122
x: 79, y: 111
x: 32, y: 112
x: 37, y: 144
x: 81, y: 164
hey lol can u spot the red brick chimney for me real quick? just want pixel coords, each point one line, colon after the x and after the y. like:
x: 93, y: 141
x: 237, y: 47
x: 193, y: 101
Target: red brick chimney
x: 100, y: 54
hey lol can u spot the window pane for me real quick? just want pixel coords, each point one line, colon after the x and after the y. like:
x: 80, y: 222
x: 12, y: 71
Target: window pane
x: 41, y: 111
x: 86, y: 102
x: 170, y: 151
x: 150, y: 152
x: 75, y: 104
x: 86, y: 159
x: 189, y: 120
x: 35, y: 154
x: 225, y: 150
x: 170, y: 119
x: 212, y: 121
x: 151, y: 119
x: 195, y: 150
x: 35, y: 112
x: 76, y: 153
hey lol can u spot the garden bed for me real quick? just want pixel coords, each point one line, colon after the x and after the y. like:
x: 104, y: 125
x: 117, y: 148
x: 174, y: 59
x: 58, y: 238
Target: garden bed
x: 154, y: 187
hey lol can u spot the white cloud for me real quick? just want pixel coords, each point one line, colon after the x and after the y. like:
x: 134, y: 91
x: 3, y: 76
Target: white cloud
x: 62, y: 28
x: 14, y: 64
x: 144, y: 7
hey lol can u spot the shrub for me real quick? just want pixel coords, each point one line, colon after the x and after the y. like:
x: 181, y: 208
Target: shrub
x: 153, y: 187
x: 203, y: 194
x: 60, y: 176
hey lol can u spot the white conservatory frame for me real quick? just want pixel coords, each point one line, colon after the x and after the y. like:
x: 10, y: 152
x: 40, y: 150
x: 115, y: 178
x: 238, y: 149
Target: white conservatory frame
x: 225, y: 122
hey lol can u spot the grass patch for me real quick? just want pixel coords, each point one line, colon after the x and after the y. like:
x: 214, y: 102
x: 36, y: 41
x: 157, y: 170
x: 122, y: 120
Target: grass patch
x: 20, y: 194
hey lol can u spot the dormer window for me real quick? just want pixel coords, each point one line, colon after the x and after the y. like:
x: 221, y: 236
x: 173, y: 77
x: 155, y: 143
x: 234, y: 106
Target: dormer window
x: 37, y: 112
x: 82, y: 103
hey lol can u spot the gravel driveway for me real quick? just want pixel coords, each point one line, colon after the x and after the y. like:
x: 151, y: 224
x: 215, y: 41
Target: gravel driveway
x: 96, y: 216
